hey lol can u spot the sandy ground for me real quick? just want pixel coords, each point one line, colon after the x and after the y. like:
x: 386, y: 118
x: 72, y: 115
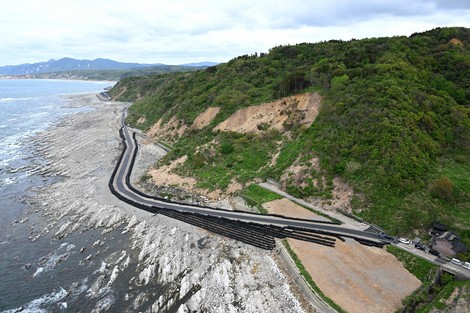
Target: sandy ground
x: 229, y: 276
x: 288, y: 208
x: 356, y: 277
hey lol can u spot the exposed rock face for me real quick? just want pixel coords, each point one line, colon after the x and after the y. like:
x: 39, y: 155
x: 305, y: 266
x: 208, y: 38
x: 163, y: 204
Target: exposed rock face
x: 172, y: 266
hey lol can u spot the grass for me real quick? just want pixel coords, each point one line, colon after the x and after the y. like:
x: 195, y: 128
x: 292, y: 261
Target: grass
x: 403, y: 214
x: 228, y: 157
x: 309, y: 279
x: 256, y: 196
x: 165, y: 144
x: 435, y: 285
x: 444, y: 295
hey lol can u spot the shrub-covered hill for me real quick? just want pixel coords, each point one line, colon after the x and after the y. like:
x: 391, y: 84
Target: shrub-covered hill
x: 394, y: 122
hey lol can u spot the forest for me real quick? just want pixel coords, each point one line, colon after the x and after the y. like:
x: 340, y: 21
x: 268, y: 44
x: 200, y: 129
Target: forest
x: 394, y: 123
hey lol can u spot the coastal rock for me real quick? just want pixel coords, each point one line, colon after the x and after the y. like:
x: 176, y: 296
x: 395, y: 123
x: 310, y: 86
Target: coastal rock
x: 159, y: 264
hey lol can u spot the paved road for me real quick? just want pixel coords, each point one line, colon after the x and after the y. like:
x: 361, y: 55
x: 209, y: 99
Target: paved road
x: 122, y: 186
x: 444, y: 264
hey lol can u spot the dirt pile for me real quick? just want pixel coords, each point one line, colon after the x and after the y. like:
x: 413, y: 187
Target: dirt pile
x: 456, y: 41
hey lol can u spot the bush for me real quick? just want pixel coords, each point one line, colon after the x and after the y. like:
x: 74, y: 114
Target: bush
x: 226, y: 148
x: 443, y: 188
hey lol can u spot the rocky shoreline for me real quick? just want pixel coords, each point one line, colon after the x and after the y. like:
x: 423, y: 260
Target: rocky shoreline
x: 160, y: 264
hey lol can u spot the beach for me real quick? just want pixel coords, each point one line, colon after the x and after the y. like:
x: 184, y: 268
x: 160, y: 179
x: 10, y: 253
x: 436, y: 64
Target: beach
x: 109, y: 255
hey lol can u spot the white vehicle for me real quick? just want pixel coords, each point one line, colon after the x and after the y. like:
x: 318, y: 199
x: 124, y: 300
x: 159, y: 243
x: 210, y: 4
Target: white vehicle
x: 404, y: 240
x: 456, y: 261
x: 466, y: 265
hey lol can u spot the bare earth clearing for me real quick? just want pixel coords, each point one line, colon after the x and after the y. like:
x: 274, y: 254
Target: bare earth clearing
x: 288, y: 208
x: 356, y: 277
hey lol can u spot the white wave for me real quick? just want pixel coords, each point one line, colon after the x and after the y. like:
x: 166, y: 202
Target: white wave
x: 52, y: 260
x: 6, y: 181
x: 35, y: 305
x: 16, y: 99
x: 77, y: 288
x: 101, y: 269
x: 104, y: 304
x: 68, y: 246
x: 38, y: 271
x: 47, y: 107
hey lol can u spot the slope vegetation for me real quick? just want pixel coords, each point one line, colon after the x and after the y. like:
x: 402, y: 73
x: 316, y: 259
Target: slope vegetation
x: 393, y: 123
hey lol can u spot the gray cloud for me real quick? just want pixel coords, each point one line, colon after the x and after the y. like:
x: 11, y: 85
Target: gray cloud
x: 183, y: 31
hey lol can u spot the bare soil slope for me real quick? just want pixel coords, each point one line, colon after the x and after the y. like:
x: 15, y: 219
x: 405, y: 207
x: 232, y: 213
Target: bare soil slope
x: 205, y: 118
x: 300, y: 109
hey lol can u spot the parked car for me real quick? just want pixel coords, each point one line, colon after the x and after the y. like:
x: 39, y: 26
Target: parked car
x: 406, y: 241
x: 434, y: 252
x: 466, y: 265
x: 456, y: 261
x: 385, y: 236
x: 420, y: 246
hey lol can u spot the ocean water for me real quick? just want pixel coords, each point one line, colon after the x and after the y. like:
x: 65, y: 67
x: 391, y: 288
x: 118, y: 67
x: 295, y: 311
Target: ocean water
x: 27, y: 107
x: 41, y: 275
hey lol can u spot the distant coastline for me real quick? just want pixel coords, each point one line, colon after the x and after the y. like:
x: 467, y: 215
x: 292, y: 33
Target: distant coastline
x: 76, y: 78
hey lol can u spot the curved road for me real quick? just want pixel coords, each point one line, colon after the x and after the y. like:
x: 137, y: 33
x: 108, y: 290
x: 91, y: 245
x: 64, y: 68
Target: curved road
x: 125, y: 191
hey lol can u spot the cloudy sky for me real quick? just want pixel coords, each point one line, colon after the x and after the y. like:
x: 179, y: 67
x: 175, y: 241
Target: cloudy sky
x: 183, y: 31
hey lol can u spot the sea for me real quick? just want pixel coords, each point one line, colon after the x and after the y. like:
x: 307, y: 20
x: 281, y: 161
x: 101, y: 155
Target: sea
x: 40, y: 275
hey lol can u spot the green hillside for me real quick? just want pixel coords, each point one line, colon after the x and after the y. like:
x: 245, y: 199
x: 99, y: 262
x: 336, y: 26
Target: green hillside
x: 394, y: 123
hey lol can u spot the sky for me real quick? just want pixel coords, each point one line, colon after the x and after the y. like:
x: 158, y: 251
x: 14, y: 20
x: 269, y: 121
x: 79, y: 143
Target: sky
x: 185, y: 31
